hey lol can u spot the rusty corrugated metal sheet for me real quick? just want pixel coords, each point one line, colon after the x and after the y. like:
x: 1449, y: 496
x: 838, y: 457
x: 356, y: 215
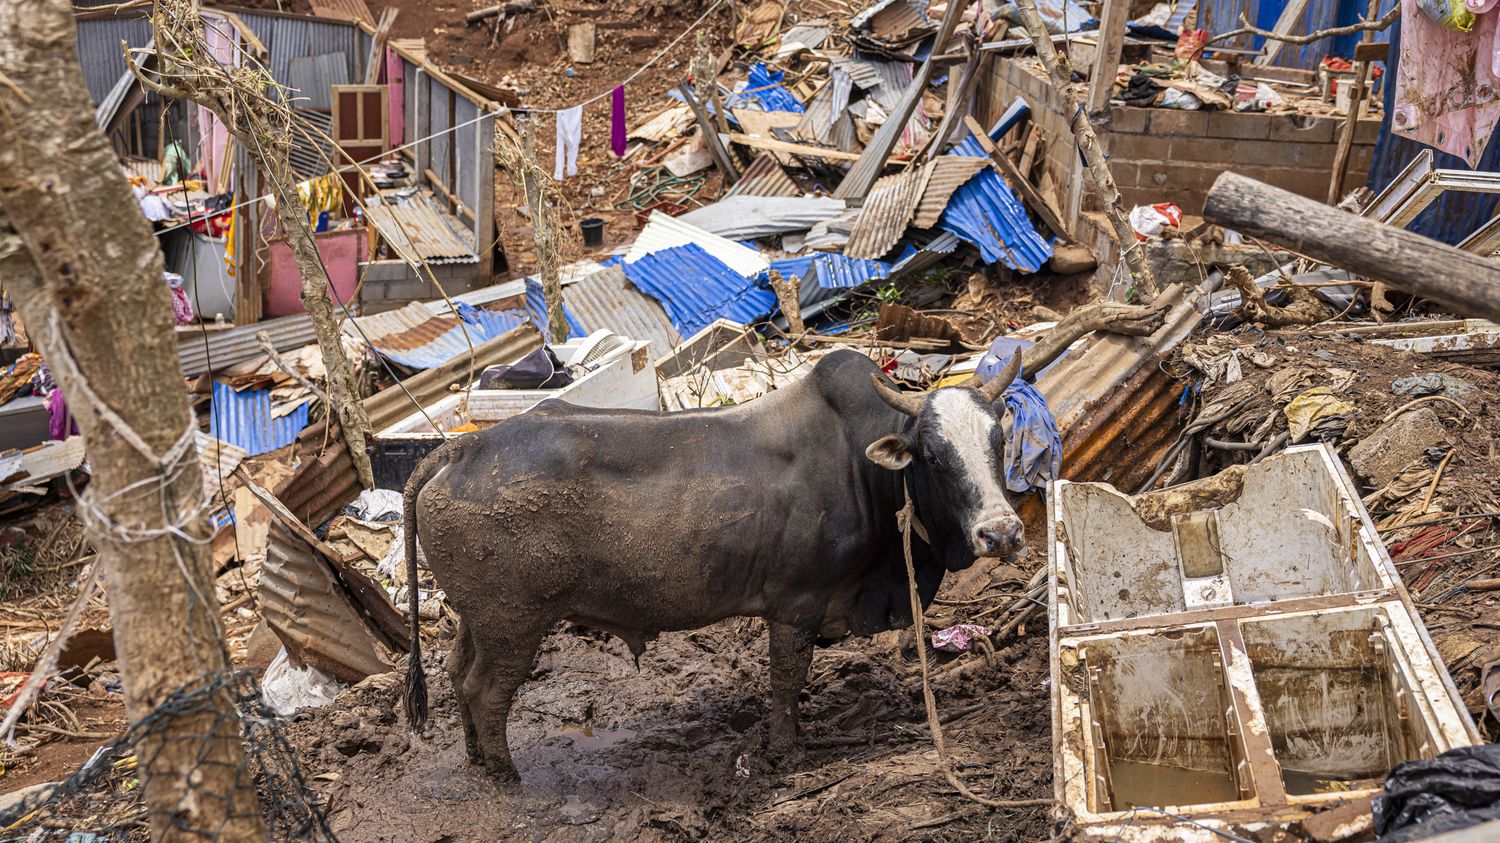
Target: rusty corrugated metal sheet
x: 419, y: 234
x: 764, y: 177
x: 318, y: 606
x: 325, y: 480
x: 886, y: 213
x: 198, y: 351
x: 945, y: 174
x: 606, y: 299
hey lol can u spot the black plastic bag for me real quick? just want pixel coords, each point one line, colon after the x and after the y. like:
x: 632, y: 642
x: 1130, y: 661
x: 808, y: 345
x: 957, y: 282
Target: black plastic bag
x: 1457, y: 789
x: 538, y: 370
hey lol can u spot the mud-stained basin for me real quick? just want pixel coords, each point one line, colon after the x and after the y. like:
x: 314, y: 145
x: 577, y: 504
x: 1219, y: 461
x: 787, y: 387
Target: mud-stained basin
x: 1234, y: 667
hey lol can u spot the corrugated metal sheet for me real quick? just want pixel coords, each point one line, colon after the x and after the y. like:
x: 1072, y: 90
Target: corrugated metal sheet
x: 306, y: 605
x: 970, y: 147
x: 109, y: 106
x: 244, y: 419
x: 883, y: 80
x: 413, y: 336
x: 893, y: 20
x: 309, y: 77
x: 670, y: 123
x: 764, y: 177
x: 312, y: 144
x: 985, y: 213
x: 232, y: 346
x: 419, y: 234
x: 218, y: 460
x: 695, y: 288
x: 99, y: 53
x: 944, y: 175
x: 287, y: 38
x: 748, y: 217
x: 606, y: 299
x: 571, y: 274
x: 36, y: 465
x: 810, y: 36
x: 665, y: 232
x: 886, y: 213
x: 836, y: 271
x: 536, y: 305
x: 466, y: 153
x: 325, y: 478
x: 926, y: 257
x: 349, y: 10
x: 827, y: 121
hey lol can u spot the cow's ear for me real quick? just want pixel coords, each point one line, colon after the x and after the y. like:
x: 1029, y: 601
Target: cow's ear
x: 893, y: 452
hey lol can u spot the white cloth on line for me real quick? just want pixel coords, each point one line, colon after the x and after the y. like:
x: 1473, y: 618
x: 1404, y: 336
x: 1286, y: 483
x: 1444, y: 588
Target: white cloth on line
x: 569, y: 131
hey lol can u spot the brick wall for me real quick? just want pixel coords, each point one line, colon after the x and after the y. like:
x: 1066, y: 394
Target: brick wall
x: 1165, y: 155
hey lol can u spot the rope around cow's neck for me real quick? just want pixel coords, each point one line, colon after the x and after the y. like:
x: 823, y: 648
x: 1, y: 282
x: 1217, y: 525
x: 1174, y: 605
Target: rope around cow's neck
x: 906, y: 519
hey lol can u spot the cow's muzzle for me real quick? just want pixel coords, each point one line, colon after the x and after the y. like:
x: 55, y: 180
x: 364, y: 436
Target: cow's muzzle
x: 998, y: 538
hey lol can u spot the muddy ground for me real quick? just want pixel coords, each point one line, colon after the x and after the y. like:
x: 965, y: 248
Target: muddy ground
x: 675, y: 749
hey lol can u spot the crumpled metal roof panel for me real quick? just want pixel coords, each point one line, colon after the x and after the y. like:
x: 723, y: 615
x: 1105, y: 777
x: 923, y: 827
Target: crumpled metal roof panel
x: 748, y: 217
x: 413, y: 336
x: 764, y: 177
x: 419, y: 234
x: 945, y: 175
x: 985, y: 213
x: 886, y: 213
x: 837, y: 271
x: 695, y: 288
x: 606, y: 299
x: 244, y: 419
x: 667, y: 232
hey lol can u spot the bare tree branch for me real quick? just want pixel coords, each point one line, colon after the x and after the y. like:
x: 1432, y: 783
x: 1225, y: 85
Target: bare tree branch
x: 1363, y: 26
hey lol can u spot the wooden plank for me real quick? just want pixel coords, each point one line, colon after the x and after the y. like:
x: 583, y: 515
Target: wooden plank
x: 1107, y: 54
x: 1466, y: 284
x: 1028, y: 150
x: 722, y: 159
x: 773, y: 145
x: 1028, y: 191
x: 376, y: 59
x: 1290, y: 14
x: 581, y: 43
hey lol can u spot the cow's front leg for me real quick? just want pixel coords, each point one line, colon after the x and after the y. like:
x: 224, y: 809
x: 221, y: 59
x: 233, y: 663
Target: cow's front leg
x: 791, y: 655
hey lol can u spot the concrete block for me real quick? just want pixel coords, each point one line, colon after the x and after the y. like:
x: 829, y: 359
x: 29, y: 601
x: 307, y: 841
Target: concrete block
x: 1367, y: 131
x: 1302, y: 129
x: 1170, y: 121
x: 1215, y: 150
x: 1128, y: 119
x: 1382, y: 455
x: 1233, y: 124
x: 1266, y: 153
x: 1316, y: 156
x: 1139, y: 148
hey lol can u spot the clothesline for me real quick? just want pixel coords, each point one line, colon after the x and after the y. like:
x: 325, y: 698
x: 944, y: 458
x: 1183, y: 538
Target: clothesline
x: 486, y: 114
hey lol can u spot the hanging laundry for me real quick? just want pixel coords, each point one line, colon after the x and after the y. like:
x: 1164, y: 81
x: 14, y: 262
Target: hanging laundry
x: 1447, y: 88
x: 569, y: 130
x: 617, y: 121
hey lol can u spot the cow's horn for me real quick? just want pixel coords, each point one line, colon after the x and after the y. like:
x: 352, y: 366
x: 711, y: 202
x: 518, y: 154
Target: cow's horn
x: 911, y: 405
x: 992, y: 391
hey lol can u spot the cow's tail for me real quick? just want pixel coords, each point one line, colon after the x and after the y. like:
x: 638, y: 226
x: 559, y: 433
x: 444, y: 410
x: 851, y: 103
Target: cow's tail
x: 416, y: 680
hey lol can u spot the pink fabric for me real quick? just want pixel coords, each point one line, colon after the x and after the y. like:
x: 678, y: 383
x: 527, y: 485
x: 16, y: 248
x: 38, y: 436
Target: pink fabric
x: 223, y: 44
x: 395, y: 78
x: 1447, y: 87
x: 60, y: 424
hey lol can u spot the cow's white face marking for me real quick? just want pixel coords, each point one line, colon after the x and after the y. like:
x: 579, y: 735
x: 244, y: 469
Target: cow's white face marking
x: 967, y: 429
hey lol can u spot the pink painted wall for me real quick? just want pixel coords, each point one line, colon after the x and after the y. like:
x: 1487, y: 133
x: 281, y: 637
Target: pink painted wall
x: 341, y: 250
x: 395, y: 77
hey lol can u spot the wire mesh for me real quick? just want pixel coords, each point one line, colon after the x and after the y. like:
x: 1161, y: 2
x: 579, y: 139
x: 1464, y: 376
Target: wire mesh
x: 102, y: 800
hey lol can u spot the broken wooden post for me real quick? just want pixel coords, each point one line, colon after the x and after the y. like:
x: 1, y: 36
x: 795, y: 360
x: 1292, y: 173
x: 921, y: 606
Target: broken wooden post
x: 722, y: 159
x: 789, y: 296
x: 1060, y: 72
x: 1107, y: 55
x: 1464, y: 283
x: 1357, y: 94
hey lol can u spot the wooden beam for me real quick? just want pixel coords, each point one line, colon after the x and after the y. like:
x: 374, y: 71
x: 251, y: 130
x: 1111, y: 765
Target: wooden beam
x: 1464, y: 283
x: 1107, y: 54
x: 773, y: 145
x: 1027, y: 190
x: 722, y: 159
x: 1290, y: 14
x: 376, y: 59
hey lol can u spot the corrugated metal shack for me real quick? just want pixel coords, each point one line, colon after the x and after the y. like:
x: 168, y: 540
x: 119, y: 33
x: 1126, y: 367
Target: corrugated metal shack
x: 450, y: 222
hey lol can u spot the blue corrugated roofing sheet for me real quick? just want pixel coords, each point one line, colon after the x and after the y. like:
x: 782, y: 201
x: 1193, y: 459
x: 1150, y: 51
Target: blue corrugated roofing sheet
x: 969, y: 146
x: 696, y: 288
x: 985, y: 213
x: 536, y: 304
x: 244, y: 419
x: 836, y: 271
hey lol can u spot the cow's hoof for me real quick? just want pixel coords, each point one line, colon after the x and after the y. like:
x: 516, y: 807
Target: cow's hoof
x: 504, y: 776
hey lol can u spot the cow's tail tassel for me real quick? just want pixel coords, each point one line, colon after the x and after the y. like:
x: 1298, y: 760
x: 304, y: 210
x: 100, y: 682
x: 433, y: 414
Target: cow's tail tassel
x: 416, y: 680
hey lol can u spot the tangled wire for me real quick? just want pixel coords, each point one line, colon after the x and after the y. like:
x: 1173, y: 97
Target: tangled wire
x: 103, y: 797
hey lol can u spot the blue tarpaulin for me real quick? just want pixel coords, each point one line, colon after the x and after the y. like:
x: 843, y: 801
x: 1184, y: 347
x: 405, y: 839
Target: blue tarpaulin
x: 764, y: 86
x: 1033, y: 450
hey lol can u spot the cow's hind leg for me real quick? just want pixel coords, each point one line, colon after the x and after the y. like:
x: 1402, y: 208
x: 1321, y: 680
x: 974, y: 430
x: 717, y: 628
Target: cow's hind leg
x: 460, y: 662
x: 502, y: 660
x: 791, y: 655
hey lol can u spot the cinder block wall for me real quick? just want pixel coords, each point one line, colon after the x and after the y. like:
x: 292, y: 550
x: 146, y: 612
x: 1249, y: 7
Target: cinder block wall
x: 1166, y: 155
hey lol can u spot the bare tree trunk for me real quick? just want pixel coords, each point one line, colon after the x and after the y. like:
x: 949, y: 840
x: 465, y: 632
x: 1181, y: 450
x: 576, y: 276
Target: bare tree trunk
x: 521, y: 164
x: 241, y: 100
x: 789, y: 295
x: 87, y: 275
x: 1059, y: 70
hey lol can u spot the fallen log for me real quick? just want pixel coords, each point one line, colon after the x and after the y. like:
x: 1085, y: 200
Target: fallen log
x: 1464, y: 283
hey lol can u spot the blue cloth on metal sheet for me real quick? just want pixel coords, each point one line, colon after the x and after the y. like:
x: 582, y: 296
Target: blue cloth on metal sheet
x: 985, y: 213
x: 536, y: 303
x: 1033, y: 450
x: 764, y: 86
x: 244, y: 419
x: 695, y: 288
